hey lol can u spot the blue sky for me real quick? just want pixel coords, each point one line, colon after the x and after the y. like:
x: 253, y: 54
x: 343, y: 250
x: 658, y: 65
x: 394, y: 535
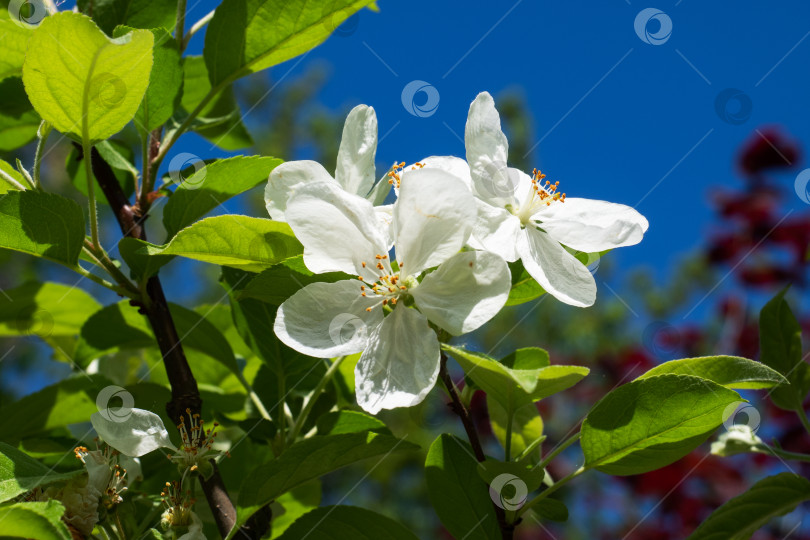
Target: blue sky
x: 615, y: 118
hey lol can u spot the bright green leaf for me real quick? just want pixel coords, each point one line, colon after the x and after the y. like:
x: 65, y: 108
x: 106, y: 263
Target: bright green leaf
x: 742, y: 516
x: 13, y: 42
x: 142, y: 265
x: 281, y: 281
x: 459, y: 496
x: 243, y: 242
x: 296, y: 502
x: 211, y: 185
x: 524, y: 287
x: 20, y: 473
x: 527, y: 425
x: 42, y: 224
x: 729, y: 371
x: 5, y: 185
x: 246, y: 36
x: 346, y: 523
x: 45, y: 309
x: 40, y: 520
x: 649, y: 423
x: 82, y: 82
x: 335, y: 423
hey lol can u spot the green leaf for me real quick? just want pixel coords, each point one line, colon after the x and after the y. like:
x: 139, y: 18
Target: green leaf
x: 279, y: 282
x: 243, y: 242
x: 212, y: 185
x: 117, y: 155
x: 295, y: 503
x: 13, y: 42
x: 45, y: 309
x: 120, y: 327
x: 527, y: 358
x: 649, y: 423
x: 141, y: 265
x: 531, y: 476
x: 165, y: 81
x: 42, y: 224
x: 551, y: 509
x: 82, y: 82
x: 6, y: 186
x: 246, y: 36
x: 40, y: 520
x: 136, y: 13
x: 335, y: 423
x: 515, y: 385
x: 18, y: 119
x: 527, y: 425
x: 20, y: 473
x: 457, y: 493
x: 742, y: 516
x: 70, y: 401
x: 220, y: 121
x: 307, y: 460
x: 780, y: 347
x: 729, y: 371
x: 524, y: 287
x: 346, y: 523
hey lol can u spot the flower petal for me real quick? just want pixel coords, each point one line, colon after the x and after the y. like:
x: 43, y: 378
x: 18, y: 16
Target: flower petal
x: 556, y: 270
x: 433, y: 218
x: 286, y: 179
x: 355, y: 159
x: 325, y: 320
x: 465, y: 291
x: 401, y: 363
x: 487, y: 150
x: 138, y: 434
x: 385, y: 217
x: 496, y: 230
x: 195, y: 529
x: 454, y: 165
x: 588, y: 225
x: 339, y: 230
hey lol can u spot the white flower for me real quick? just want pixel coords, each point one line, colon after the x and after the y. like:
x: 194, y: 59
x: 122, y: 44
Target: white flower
x: 432, y: 220
x: 739, y: 439
x: 355, y: 172
x: 144, y: 432
x: 524, y: 217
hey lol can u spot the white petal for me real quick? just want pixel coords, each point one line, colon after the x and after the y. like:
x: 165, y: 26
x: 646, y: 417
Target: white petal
x: 195, y: 529
x: 339, y: 230
x: 454, y: 165
x: 464, y: 292
x: 487, y: 151
x: 133, y: 467
x: 556, y: 270
x: 135, y: 435
x: 385, y: 217
x: 496, y: 230
x: 588, y: 225
x: 355, y: 159
x: 433, y: 218
x: 325, y: 320
x: 286, y: 179
x: 401, y: 363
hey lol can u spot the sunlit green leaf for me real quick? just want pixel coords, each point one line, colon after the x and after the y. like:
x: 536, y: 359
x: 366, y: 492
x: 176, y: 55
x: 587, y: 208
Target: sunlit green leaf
x: 729, y: 371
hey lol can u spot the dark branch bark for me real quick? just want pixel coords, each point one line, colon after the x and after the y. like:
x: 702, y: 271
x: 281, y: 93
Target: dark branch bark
x: 507, y: 529
x: 185, y: 394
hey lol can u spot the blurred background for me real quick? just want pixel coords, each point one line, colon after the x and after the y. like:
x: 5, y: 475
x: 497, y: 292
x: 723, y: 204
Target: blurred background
x: 696, y: 114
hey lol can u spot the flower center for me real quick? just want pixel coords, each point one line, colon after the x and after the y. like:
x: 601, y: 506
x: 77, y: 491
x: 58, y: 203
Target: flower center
x: 197, y: 442
x: 538, y: 197
x: 388, y: 284
x: 178, y: 505
x: 394, y: 177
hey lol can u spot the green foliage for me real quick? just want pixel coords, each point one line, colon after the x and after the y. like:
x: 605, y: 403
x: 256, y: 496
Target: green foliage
x: 246, y: 36
x: 243, y: 242
x: 649, y: 423
x: 42, y: 224
x: 108, y: 14
x: 212, y: 185
x: 8, y: 169
x: 45, y: 309
x: 117, y: 155
x: 524, y: 287
x: 457, y: 493
x: 40, y: 520
x: 743, y: 515
x: 112, y: 75
x: 18, y: 120
x: 729, y: 371
x: 346, y: 523
x: 281, y: 281
x: 309, y: 459
x: 780, y: 347
x: 13, y: 42
x: 20, y: 473
x: 527, y: 425
x: 551, y: 510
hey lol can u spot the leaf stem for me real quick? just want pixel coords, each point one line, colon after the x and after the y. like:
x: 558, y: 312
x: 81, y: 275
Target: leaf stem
x: 197, y: 26
x: 778, y: 452
x: 10, y: 179
x: 104, y: 283
x: 560, y: 447
x: 44, y: 131
x: 310, y: 402
x: 181, y: 24
x: 254, y: 397
x: 91, y: 193
x: 507, y: 445
x: 103, y: 260
x: 545, y: 493
x: 803, y: 417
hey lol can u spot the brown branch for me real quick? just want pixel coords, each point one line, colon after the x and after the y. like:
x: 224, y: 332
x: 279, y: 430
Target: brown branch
x: 507, y: 529
x: 185, y: 394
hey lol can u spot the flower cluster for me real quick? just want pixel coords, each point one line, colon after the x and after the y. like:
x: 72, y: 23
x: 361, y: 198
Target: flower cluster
x: 435, y: 261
